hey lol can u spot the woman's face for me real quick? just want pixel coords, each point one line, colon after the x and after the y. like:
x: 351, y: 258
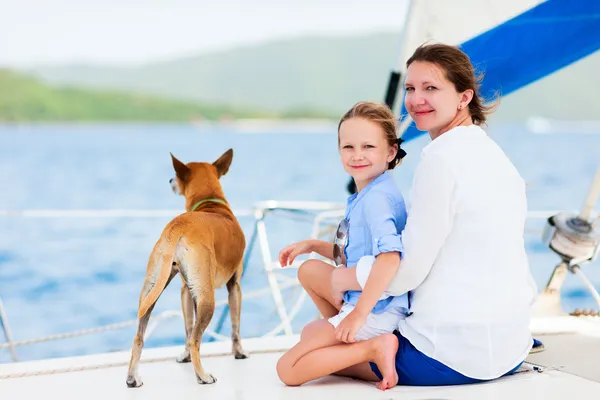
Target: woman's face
x: 431, y: 100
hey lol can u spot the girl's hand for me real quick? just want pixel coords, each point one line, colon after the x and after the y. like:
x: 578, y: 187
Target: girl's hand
x: 347, y: 329
x: 288, y: 254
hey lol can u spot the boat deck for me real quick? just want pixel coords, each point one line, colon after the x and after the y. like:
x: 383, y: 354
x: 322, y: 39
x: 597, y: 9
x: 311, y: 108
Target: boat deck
x: 571, y: 354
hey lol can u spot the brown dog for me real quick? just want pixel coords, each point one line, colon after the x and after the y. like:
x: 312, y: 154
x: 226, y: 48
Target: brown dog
x: 206, y: 245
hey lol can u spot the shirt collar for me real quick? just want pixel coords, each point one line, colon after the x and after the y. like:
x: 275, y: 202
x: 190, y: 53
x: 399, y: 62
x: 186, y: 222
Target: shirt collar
x: 453, y: 134
x: 359, y: 195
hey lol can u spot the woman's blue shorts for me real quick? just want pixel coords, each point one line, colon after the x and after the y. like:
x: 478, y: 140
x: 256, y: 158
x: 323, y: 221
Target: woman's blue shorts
x: 416, y: 369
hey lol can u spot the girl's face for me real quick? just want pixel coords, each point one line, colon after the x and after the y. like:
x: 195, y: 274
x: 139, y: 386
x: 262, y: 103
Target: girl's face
x: 364, y: 150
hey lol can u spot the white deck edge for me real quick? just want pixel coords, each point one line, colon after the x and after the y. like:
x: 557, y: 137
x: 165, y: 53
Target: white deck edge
x: 273, y: 344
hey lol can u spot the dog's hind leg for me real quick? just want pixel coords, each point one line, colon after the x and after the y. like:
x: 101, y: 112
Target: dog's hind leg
x: 187, y: 307
x: 133, y: 377
x: 196, y: 268
x: 205, y: 307
x: 235, y: 310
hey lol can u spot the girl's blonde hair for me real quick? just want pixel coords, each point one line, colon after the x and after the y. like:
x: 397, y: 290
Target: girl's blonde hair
x: 382, y: 116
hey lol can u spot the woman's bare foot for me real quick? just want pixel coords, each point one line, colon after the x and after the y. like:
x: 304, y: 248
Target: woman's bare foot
x: 384, y: 355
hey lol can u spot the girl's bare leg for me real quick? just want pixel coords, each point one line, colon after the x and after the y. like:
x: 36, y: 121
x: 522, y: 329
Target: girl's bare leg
x: 359, y: 371
x: 319, y: 354
x: 342, y: 280
x: 318, y: 340
x: 315, y: 277
x: 352, y: 360
x: 315, y: 335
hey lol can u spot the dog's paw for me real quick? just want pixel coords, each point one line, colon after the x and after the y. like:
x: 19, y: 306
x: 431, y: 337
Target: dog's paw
x: 238, y: 351
x: 184, y: 357
x: 206, y: 379
x: 132, y: 382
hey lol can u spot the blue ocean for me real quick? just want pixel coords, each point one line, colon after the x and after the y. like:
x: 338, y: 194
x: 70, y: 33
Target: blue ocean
x: 60, y: 274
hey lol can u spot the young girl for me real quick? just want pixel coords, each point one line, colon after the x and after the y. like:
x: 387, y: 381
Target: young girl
x: 374, y: 218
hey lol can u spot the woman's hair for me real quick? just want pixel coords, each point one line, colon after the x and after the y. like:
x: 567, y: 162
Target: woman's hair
x: 458, y: 69
x: 382, y: 116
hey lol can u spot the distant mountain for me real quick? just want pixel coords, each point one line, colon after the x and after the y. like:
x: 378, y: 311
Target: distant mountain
x: 315, y: 73
x: 319, y: 75
x: 24, y: 99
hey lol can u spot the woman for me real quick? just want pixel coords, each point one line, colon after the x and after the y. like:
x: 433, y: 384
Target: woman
x: 464, y: 261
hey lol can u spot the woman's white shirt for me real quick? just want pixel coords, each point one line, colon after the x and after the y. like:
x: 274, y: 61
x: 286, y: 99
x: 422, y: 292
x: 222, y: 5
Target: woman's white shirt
x: 464, y: 257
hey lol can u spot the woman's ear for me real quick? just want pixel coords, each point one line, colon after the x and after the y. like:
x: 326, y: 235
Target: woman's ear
x: 466, y: 97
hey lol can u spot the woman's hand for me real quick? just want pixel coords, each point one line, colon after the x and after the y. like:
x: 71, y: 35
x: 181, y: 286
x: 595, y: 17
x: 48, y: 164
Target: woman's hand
x: 347, y: 329
x: 289, y: 253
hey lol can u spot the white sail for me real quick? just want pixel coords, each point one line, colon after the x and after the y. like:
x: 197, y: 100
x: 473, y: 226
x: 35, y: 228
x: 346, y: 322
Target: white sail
x: 451, y: 22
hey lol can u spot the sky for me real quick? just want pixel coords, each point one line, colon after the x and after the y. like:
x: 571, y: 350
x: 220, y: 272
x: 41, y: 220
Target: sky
x: 134, y: 32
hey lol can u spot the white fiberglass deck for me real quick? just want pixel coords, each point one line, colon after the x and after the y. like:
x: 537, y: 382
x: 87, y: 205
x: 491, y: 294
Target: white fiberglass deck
x: 572, y: 350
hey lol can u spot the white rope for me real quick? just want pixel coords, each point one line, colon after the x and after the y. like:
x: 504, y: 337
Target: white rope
x: 116, y: 364
x: 82, y: 332
x: 133, y: 322
x: 77, y: 369
x: 7, y: 333
x: 101, y: 213
x: 536, y: 214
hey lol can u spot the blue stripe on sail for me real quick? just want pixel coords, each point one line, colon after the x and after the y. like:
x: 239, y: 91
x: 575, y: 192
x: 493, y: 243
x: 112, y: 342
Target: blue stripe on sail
x: 532, y: 45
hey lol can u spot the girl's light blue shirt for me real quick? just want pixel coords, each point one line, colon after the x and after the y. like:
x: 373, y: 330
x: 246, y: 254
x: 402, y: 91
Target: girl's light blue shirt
x: 376, y: 217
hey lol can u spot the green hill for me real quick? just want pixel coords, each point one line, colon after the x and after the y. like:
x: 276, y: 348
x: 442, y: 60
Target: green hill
x: 26, y: 99
x: 315, y: 73
x: 319, y: 76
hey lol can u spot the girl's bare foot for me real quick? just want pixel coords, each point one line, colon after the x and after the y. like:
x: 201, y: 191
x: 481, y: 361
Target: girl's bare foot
x: 384, y: 355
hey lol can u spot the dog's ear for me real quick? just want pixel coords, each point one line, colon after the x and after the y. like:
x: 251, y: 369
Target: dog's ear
x: 223, y: 163
x: 181, y: 170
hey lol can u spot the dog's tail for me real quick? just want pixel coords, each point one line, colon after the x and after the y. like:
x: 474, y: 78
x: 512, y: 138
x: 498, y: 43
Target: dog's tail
x: 159, y: 270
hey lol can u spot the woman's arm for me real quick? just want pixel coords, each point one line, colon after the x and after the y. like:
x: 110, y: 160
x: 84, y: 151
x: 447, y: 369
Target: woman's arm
x: 430, y: 220
x: 383, y: 271
x: 429, y: 223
